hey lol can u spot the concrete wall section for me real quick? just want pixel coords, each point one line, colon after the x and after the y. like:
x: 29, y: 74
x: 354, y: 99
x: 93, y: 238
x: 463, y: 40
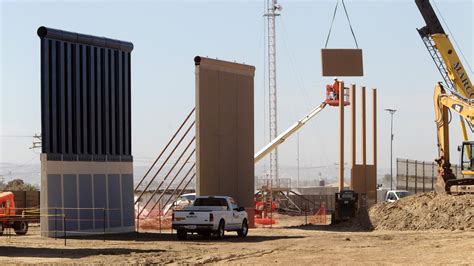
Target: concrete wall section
x: 82, y: 192
x: 225, y: 129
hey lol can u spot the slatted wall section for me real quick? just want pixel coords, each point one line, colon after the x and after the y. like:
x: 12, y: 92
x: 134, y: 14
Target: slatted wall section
x: 86, y: 103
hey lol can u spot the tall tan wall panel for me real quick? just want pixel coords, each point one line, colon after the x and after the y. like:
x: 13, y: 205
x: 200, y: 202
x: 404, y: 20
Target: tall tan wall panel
x: 225, y: 129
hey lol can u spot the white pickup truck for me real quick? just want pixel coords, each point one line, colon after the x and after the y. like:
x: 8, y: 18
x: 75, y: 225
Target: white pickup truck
x: 210, y: 215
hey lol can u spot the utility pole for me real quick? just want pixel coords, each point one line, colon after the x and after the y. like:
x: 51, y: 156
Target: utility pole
x: 392, y: 112
x: 36, y: 141
x: 272, y: 8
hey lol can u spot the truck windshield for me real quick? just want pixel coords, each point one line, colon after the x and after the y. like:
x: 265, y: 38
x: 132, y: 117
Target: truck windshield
x: 401, y: 194
x: 210, y: 202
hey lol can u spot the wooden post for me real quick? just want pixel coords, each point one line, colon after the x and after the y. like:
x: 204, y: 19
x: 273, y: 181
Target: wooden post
x: 406, y: 179
x: 55, y: 223
x: 372, y: 196
x: 341, y: 136
x: 353, y: 131
x: 103, y: 222
x: 64, y: 230
x: 159, y: 213
x: 374, y: 129
x: 432, y: 175
x: 364, y: 128
x: 138, y: 220
x: 416, y: 176
x: 397, y: 171
x: 423, y: 164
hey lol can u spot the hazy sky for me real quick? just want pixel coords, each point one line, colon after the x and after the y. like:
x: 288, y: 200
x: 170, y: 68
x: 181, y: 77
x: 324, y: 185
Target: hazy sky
x: 168, y: 34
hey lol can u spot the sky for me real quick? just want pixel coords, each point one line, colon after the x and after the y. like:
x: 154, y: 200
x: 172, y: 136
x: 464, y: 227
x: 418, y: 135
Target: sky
x: 168, y: 34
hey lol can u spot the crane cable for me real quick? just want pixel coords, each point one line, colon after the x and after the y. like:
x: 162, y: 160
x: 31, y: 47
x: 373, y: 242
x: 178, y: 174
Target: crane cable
x: 348, y: 20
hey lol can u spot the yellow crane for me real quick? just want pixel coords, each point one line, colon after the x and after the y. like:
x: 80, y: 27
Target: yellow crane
x: 456, y: 94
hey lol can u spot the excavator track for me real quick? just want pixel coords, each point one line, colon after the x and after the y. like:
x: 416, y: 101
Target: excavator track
x: 460, y: 186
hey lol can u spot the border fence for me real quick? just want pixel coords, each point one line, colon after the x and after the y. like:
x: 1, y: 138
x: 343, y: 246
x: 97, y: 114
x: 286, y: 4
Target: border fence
x: 419, y: 176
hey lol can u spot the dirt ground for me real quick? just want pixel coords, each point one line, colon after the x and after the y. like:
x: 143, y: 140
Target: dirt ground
x: 283, y: 244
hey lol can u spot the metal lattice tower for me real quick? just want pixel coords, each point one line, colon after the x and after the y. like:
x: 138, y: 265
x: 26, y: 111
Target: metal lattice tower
x: 272, y: 8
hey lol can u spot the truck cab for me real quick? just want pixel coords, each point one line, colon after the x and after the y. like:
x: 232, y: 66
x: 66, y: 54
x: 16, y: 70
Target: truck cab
x: 394, y: 195
x: 8, y: 215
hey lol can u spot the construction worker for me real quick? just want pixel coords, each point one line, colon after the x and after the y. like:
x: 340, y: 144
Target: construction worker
x: 335, y: 87
x: 330, y: 94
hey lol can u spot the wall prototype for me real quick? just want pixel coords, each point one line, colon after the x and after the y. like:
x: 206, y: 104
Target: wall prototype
x: 86, y: 161
x: 225, y: 130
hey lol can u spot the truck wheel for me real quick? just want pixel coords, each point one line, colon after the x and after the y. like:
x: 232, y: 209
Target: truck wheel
x: 1, y: 228
x: 182, y: 234
x: 221, y: 230
x: 244, y: 230
x: 21, y: 228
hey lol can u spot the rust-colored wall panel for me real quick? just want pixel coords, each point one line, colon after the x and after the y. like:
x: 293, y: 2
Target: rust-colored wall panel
x: 364, y: 181
x: 342, y: 62
x: 225, y: 129
x: 358, y: 180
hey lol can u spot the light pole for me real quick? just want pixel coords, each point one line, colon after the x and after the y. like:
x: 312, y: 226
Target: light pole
x: 392, y: 112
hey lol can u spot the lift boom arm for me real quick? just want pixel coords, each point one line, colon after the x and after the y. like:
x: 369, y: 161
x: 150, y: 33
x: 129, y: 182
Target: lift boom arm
x: 286, y: 134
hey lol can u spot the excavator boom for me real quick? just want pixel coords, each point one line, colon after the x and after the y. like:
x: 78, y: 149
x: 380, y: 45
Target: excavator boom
x: 459, y: 99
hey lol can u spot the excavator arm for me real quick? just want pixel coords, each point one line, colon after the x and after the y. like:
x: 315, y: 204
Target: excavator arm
x: 443, y: 103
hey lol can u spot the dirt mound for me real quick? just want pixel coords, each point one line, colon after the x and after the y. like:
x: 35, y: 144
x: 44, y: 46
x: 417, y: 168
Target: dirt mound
x: 425, y: 211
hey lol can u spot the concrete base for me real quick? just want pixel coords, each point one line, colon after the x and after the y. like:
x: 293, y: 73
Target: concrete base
x: 84, y: 197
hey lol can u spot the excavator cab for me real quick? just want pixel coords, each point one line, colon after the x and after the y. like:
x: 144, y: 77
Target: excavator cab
x: 467, y: 158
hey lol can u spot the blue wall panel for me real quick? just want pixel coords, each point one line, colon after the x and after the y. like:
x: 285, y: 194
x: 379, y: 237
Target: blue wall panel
x: 85, y: 202
x: 115, y: 214
x: 127, y: 200
x: 55, y: 202
x: 100, y: 199
x: 70, y: 202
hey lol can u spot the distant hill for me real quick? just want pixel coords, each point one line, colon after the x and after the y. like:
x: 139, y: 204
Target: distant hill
x: 309, y: 176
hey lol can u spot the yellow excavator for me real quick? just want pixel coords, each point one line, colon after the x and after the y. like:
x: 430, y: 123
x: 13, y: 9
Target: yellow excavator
x: 455, y: 93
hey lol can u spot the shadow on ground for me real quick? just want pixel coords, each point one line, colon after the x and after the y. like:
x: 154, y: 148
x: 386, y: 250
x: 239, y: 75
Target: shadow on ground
x: 331, y: 228
x: 42, y: 252
x: 360, y: 223
x: 155, y: 236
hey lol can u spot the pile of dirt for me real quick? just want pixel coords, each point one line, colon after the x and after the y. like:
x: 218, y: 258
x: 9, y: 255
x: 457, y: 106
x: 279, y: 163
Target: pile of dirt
x: 425, y: 211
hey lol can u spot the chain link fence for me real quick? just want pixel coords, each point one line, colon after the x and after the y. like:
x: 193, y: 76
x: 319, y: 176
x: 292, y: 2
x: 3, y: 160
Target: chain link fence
x: 419, y: 176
